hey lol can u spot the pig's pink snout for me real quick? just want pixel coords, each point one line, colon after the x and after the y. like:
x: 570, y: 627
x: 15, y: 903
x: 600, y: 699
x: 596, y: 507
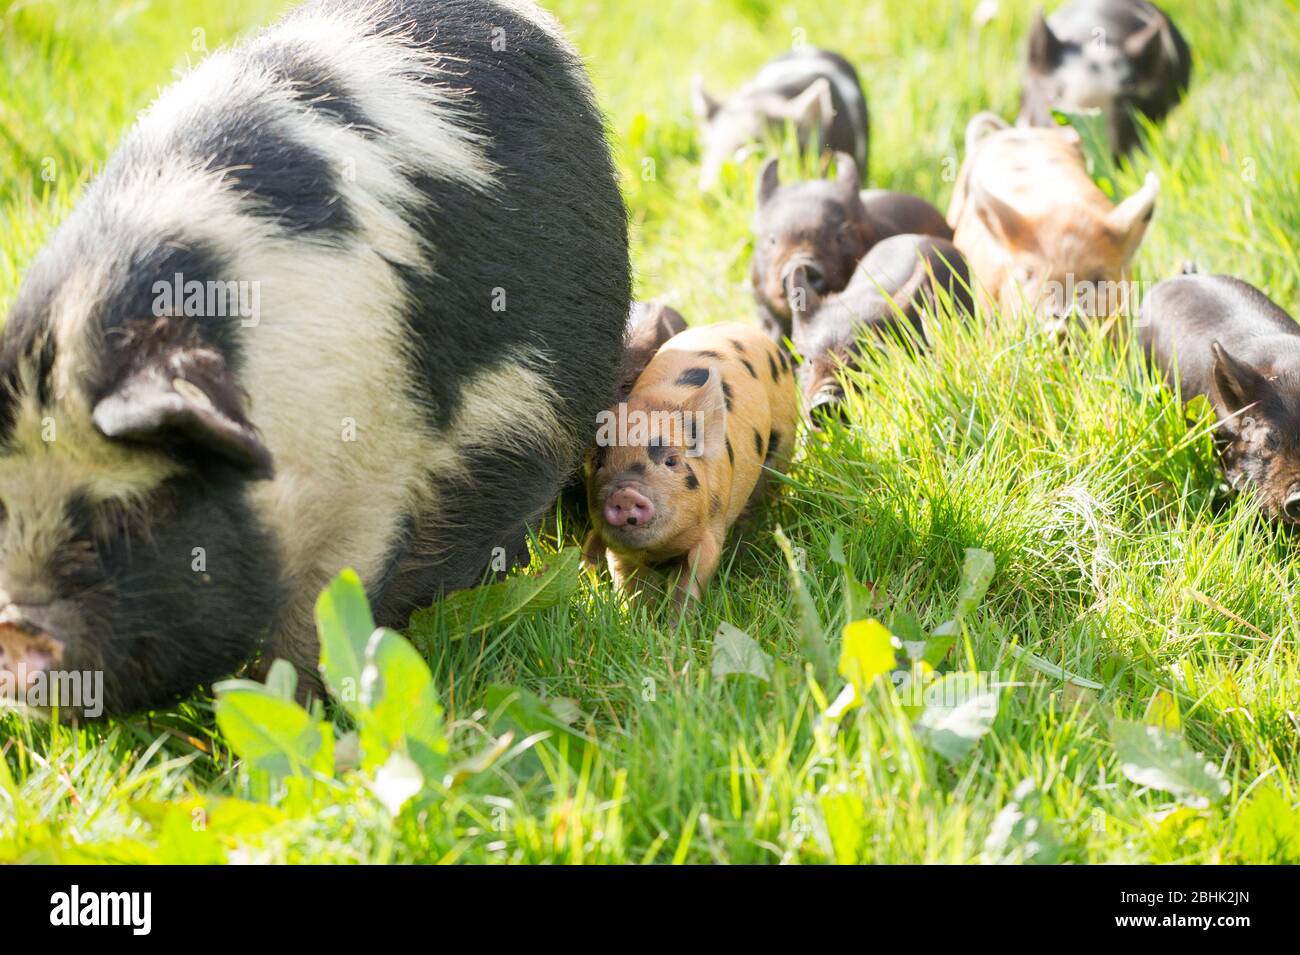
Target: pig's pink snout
x: 627, y: 507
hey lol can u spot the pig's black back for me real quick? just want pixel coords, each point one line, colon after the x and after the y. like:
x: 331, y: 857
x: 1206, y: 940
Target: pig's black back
x: 1183, y: 316
x: 898, y: 269
x: 554, y: 244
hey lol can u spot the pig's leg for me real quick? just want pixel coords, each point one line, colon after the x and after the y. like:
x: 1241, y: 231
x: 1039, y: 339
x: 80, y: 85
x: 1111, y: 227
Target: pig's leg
x: 629, y: 577
x: 698, y: 569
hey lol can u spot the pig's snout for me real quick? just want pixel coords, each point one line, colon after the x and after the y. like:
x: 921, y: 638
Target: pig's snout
x: 1291, y: 506
x: 26, y: 645
x: 628, y: 507
x: 827, y: 405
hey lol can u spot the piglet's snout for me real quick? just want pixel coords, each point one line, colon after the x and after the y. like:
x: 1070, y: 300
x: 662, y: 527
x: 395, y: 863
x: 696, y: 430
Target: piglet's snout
x: 628, y: 507
x: 1291, y: 506
x: 813, y: 273
x: 26, y: 645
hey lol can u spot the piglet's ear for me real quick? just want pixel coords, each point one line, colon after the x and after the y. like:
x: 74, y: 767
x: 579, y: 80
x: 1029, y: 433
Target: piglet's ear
x: 1144, y: 46
x: 813, y: 107
x: 649, y: 326
x: 1234, y: 386
x: 184, y: 400
x: 705, y: 106
x: 1001, y: 219
x: 803, y: 298
x: 769, y: 180
x: 1128, y: 221
x: 708, y: 422
x: 1045, y: 49
x: 847, y: 176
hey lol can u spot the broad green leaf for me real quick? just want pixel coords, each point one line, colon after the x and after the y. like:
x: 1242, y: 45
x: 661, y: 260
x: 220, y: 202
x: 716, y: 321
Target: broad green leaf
x: 866, y: 653
x: 480, y: 762
x: 1019, y: 834
x: 282, y: 680
x: 859, y: 599
x: 228, y: 818
x: 184, y: 840
x: 960, y: 709
x: 844, y: 815
x: 530, y: 714
x: 1091, y: 127
x: 976, y: 575
x: 936, y: 647
x: 836, y: 551
x: 906, y: 626
x: 473, y: 611
x: 811, y: 636
x: 396, y: 782
x: 1267, y: 829
x: 399, y: 706
x: 344, y: 625
x: 269, y: 733
x: 736, y: 652
x: 1154, y: 757
x: 323, y: 762
x: 1162, y: 711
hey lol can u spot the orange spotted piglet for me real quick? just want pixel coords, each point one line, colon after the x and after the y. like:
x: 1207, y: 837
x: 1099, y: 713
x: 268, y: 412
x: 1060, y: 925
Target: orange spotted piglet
x: 679, y: 462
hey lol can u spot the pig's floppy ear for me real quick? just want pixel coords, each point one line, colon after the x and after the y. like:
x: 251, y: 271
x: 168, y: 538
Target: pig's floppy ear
x: 1044, y: 48
x: 708, y: 427
x: 183, y: 399
x: 1234, y: 386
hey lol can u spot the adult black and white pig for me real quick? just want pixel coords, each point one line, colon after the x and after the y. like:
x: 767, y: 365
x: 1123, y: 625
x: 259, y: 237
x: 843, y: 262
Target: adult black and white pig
x: 817, y: 91
x: 1117, y: 56
x: 1217, y: 336
x: 422, y: 197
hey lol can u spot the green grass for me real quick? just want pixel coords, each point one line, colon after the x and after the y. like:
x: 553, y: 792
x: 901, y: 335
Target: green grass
x: 1118, y: 556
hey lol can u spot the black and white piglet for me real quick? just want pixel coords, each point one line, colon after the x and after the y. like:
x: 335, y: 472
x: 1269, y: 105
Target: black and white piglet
x: 814, y: 90
x: 418, y: 198
x: 1117, y: 56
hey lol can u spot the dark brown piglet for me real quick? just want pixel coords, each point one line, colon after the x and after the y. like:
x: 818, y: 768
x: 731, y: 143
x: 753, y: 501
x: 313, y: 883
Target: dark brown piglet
x: 824, y: 226
x: 1217, y: 336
